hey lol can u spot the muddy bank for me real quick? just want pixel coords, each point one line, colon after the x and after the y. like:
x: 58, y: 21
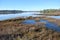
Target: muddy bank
x: 52, y: 20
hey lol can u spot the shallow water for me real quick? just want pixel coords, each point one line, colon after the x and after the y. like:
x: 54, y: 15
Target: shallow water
x: 57, y: 17
x: 9, y: 16
x: 26, y: 14
x: 49, y: 25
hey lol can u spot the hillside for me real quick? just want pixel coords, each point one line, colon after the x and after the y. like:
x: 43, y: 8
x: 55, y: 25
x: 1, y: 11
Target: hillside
x: 10, y: 11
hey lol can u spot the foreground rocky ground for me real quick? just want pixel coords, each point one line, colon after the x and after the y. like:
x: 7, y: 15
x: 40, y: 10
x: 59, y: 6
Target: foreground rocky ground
x: 14, y: 30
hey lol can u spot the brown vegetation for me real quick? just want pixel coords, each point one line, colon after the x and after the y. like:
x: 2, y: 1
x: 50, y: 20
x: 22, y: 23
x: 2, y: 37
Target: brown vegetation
x: 53, y: 20
x: 14, y: 30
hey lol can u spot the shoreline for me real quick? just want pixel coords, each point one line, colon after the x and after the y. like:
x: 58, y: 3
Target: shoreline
x: 15, y: 30
x: 52, y: 20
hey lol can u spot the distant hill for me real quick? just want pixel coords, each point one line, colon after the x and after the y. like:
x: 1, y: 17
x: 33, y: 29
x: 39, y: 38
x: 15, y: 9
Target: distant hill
x: 10, y: 11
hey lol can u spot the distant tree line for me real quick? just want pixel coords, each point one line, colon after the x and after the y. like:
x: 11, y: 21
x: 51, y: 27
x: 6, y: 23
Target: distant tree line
x: 10, y: 11
x: 50, y: 10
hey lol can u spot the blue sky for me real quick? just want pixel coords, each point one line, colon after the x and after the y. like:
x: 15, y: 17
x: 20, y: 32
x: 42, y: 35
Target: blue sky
x: 29, y: 4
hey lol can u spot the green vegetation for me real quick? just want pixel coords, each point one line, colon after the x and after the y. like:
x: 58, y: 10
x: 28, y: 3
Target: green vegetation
x: 10, y: 11
x: 50, y: 10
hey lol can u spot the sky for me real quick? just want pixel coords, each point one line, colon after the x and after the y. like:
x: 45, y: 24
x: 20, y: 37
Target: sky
x: 29, y: 4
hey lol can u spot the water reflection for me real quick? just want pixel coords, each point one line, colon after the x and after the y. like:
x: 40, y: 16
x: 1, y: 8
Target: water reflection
x: 9, y: 16
x: 48, y: 24
x: 57, y: 17
x: 26, y: 14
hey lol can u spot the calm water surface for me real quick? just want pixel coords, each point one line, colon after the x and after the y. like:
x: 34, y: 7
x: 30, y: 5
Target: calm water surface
x: 9, y: 16
x: 57, y: 17
x: 48, y: 24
